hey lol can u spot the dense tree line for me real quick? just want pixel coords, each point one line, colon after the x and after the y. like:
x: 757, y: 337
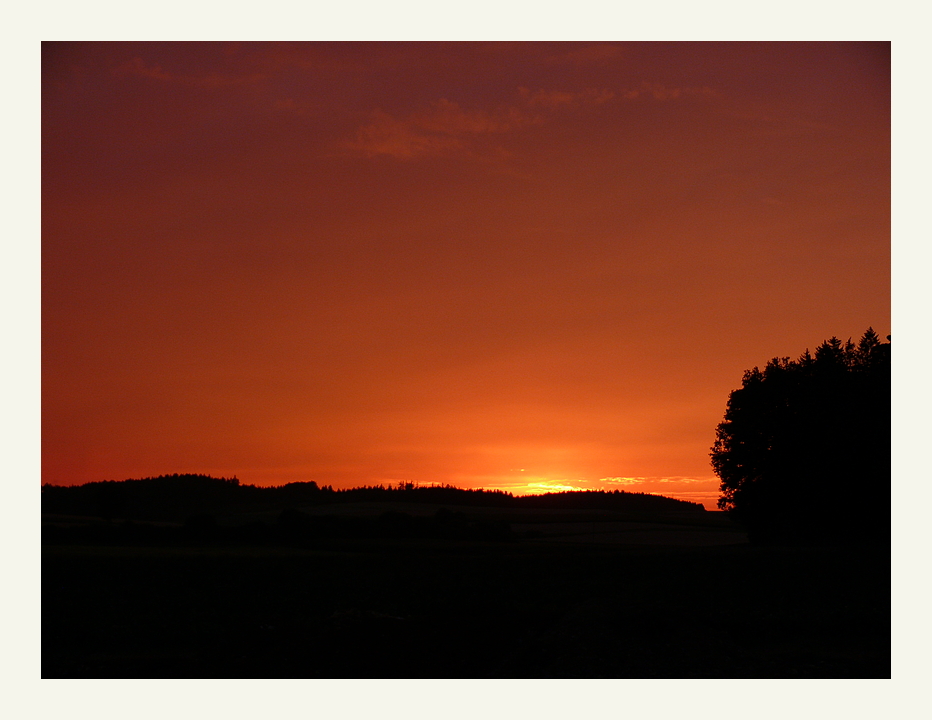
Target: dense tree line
x: 176, y: 497
x: 621, y: 500
x: 153, y: 498
x: 803, y: 452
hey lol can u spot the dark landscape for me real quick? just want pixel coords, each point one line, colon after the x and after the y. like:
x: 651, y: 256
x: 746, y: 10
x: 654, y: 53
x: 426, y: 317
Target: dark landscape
x: 440, y: 583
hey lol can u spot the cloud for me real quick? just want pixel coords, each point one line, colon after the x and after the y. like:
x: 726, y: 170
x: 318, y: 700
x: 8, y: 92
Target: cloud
x: 588, y: 55
x: 386, y: 135
x: 139, y: 68
x: 678, y: 480
x: 553, y: 486
x: 624, y: 480
x: 443, y: 127
x: 546, y: 98
x: 284, y: 56
x: 562, y: 98
x: 446, y: 126
x: 660, y: 92
x: 448, y: 118
x: 681, y: 480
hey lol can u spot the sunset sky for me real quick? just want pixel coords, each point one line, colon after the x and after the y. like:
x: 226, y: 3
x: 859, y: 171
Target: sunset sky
x: 523, y: 266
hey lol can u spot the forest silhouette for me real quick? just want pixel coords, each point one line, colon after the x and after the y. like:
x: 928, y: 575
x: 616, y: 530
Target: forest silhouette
x: 185, y: 507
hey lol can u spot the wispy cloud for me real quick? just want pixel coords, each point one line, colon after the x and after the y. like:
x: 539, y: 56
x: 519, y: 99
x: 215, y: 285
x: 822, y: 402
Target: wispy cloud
x: 623, y: 480
x: 562, y: 98
x: 402, y: 138
x: 588, y: 55
x: 554, y: 486
x: 651, y: 480
x: 139, y: 68
x: 448, y: 118
x: 656, y: 91
x: 681, y: 480
x: 446, y: 126
x: 442, y: 127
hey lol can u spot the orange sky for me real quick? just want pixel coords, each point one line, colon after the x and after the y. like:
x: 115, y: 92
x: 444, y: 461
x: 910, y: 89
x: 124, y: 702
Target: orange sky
x: 518, y: 266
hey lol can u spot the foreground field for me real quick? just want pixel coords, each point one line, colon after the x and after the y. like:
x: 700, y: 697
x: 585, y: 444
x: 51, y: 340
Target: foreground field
x: 568, y: 595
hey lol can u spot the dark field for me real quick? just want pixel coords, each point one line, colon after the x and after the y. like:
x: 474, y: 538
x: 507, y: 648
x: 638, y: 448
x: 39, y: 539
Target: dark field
x: 563, y: 595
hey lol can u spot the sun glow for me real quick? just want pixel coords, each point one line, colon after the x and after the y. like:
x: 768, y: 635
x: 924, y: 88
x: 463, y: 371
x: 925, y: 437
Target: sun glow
x: 519, y: 481
x: 552, y: 486
x: 539, y: 485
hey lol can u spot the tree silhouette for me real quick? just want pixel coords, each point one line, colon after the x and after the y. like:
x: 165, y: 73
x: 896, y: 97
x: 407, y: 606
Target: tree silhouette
x: 804, y: 449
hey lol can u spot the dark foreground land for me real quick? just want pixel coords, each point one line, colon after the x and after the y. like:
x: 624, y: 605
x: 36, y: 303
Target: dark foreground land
x: 531, y: 593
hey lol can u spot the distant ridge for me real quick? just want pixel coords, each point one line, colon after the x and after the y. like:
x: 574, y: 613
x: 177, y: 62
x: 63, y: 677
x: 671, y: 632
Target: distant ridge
x: 175, y: 497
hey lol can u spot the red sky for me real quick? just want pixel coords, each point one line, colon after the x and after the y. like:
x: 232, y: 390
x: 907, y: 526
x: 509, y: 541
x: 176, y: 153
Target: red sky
x: 521, y: 266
